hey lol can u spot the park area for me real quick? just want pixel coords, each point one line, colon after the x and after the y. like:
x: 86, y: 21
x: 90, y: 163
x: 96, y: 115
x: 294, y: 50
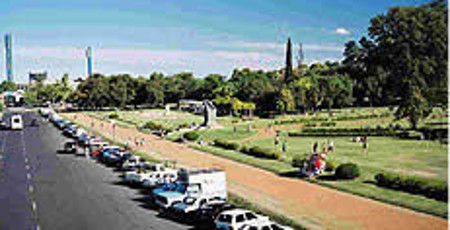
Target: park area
x: 393, y: 148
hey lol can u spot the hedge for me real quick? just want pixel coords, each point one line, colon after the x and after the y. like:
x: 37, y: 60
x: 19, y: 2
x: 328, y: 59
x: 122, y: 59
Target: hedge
x: 156, y: 127
x: 347, y: 171
x: 415, y: 185
x: 261, y: 152
x: 113, y: 116
x: 191, y: 135
x: 325, y: 119
x: 226, y: 144
x: 298, y: 161
x: 353, y: 132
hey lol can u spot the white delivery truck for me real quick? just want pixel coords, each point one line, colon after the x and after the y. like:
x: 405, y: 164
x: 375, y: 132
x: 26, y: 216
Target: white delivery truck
x: 201, y: 185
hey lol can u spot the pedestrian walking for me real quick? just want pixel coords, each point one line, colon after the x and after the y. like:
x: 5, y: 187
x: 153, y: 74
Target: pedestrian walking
x: 276, y: 140
x: 127, y: 144
x: 142, y: 141
x: 234, y: 129
x: 284, y: 146
x: 315, y: 145
x: 365, y: 145
x: 330, y: 146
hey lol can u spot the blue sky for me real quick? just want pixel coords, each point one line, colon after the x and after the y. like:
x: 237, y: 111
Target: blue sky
x: 140, y: 37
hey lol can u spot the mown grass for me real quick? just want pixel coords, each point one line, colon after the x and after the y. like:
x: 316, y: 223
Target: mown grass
x: 362, y: 186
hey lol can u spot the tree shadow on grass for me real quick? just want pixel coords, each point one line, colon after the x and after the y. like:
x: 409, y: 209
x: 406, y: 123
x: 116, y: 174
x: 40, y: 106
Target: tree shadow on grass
x: 331, y: 177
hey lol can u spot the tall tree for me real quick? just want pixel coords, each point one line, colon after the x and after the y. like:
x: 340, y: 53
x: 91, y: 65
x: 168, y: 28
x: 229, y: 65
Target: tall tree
x: 288, y: 68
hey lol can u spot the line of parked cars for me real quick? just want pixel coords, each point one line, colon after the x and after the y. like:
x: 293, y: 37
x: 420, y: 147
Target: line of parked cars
x: 199, y: 195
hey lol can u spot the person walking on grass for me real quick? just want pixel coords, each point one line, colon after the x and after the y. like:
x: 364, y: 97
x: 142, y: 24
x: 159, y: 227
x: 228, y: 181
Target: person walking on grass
x: 284, y: 146
x: 365, y: 145
x: 330, y: 146
x: 315, y: 145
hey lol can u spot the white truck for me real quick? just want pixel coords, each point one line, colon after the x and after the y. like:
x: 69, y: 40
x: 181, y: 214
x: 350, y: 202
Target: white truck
x: 141, y: 174
x: 197, y: 187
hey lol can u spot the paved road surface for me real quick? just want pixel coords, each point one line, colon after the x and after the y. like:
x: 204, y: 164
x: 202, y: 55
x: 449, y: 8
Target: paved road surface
x: 43, y: 189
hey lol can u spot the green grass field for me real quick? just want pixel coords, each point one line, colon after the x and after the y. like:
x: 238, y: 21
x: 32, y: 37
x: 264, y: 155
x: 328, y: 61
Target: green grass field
x: 427, y: 159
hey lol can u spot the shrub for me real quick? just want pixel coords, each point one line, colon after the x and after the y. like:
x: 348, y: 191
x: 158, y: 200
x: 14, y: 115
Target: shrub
x: 226, y: 144
x: 191, y: 135
x: 415, y: 185
x: 260, y: 152
x: 152, y: 126
x: 113, y: 116
x: 183, y: 125
x: 330, y: 165
x: 347, y: 171
x: 298, y: 161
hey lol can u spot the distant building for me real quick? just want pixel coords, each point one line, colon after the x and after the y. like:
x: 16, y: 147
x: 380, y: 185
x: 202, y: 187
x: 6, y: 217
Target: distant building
x: 36, y: 77
x: 9, y: 57
x: 89, y: 60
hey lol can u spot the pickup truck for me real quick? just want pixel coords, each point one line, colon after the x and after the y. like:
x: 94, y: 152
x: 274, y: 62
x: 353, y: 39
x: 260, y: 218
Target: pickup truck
x: 200, y: 184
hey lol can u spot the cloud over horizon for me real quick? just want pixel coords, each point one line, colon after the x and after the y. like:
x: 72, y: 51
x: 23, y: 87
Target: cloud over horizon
x: 342, y: 31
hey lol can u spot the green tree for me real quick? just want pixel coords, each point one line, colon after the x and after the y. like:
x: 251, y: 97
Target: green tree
x: 288, y: 68
x: 413, y: 44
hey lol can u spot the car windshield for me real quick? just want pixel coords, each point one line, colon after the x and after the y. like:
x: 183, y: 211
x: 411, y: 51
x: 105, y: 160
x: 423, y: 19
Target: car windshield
x: 16, y: 120
x: 250, y: 216
x: 225, y: 218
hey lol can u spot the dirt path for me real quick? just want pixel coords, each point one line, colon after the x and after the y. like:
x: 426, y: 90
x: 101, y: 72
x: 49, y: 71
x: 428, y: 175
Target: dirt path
x: 311, y: 205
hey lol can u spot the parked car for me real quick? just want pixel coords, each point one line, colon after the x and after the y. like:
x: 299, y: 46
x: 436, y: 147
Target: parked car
x: 204, y: 184
x: 210, y: 210
x: 159, y: 177
x: 265, y: 225
x: 130, y: 163
x: 191, y: 204
x: 138, y: 176
x: 236, y: 219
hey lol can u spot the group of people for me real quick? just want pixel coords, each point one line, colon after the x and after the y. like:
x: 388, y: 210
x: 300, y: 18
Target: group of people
x: 283, y: 142
x: 137, y: 142
x: 327, y: 147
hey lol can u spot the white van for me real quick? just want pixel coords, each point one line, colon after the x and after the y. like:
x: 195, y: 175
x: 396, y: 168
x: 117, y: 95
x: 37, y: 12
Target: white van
x: 16, y: 122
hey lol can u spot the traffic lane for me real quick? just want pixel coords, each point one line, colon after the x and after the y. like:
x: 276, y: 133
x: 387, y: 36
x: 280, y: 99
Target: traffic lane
x: 78, y: 193
x: 15, y: 203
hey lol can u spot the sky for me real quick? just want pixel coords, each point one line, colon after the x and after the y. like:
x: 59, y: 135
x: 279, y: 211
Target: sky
x: 139, y: 37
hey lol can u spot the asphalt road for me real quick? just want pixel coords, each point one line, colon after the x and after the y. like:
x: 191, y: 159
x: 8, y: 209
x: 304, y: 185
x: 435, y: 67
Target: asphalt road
x: 43, y: 189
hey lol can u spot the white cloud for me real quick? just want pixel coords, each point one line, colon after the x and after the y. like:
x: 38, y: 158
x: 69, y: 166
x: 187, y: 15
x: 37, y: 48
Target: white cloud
x: 342, y: 31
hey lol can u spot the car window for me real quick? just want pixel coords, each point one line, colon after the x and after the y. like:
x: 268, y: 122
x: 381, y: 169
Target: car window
x: 250, y: 216
x: 265, y: 228
x: 240, y: 218
x: 225, y: 218
x: 276, y: 227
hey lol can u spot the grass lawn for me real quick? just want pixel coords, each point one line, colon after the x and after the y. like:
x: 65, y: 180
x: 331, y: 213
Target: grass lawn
x: 421, y: 158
